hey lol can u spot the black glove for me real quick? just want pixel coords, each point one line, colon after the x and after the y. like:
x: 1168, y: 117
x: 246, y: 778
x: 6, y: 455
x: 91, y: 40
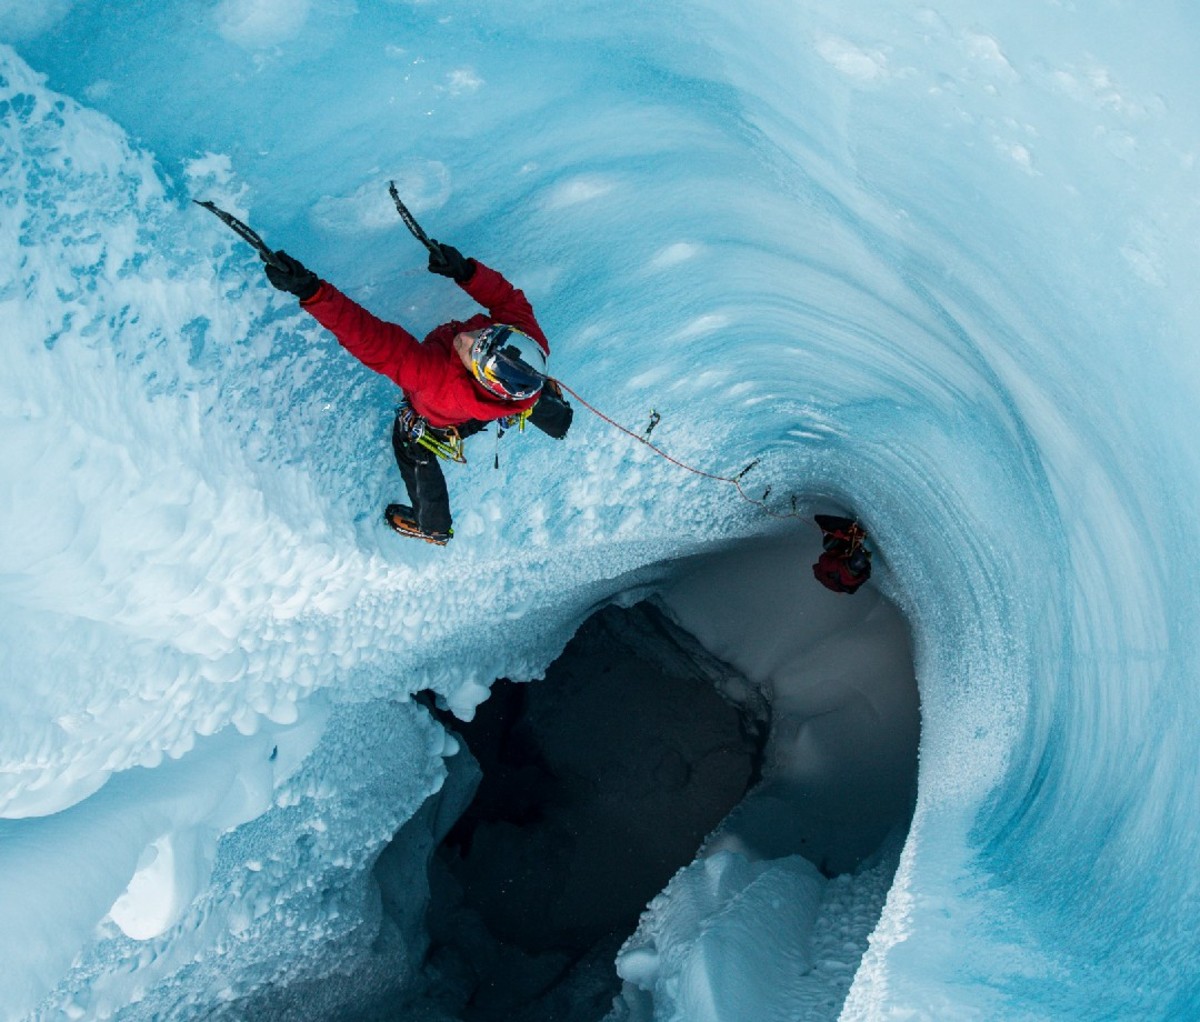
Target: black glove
x: 450, y: 262
x: 291, y: 275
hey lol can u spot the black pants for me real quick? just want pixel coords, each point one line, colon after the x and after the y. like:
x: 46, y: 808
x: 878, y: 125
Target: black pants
x: 421, y: 471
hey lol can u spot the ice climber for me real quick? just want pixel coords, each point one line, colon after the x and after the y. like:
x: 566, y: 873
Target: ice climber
x: 845, y: 563
x: 461, y: 377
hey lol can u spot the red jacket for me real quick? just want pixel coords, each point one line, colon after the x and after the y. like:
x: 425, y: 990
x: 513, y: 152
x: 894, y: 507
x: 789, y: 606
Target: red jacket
x: 438, y: 386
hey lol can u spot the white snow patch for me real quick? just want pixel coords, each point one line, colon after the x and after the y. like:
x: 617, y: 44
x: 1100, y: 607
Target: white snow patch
x: 673, y: 255
x: 1095, y: 86
x: 462, y: 80
x: 865, y: 66
x: 701, y: 951
x: 257, y: 24
x: 151, y: 902
x: 1143, y: 254
x: 98, y: 91
x: 574, y: 191
x: 986, y: 50
x: 709, y: 323
x: 1020, y: 154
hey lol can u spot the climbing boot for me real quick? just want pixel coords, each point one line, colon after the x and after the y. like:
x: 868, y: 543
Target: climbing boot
x: 404, y: 521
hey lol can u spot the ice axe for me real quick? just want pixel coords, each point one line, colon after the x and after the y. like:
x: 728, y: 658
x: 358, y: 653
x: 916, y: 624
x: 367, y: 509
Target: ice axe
x: 243, y: 231
x: 410, y: 221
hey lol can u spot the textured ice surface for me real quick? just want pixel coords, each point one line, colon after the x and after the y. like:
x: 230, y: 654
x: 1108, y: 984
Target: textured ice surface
x: 935, y: 263
x: 706, y: 955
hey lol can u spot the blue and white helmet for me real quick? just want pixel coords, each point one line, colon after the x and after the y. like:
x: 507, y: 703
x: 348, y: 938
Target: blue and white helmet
x: 508, y: 362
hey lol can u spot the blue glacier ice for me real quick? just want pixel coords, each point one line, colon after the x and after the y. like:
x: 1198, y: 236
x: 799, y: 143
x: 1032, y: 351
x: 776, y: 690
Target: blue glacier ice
x: 937, y: 264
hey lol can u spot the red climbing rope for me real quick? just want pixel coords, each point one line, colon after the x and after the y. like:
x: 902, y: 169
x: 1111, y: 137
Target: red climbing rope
x: 736, y: 480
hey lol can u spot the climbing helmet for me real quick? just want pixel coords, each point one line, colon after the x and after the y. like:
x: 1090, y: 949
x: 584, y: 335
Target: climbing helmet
x: 508, y: 362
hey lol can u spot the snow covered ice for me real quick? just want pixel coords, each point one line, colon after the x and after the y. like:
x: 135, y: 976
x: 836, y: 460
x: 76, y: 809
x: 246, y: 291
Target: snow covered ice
x: 936, y: 264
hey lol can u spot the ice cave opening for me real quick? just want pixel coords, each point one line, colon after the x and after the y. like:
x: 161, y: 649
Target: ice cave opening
x: 740, y: 710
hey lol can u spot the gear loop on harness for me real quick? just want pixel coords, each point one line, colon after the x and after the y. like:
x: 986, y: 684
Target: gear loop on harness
x: 516, y: 421
x: 443, y: 441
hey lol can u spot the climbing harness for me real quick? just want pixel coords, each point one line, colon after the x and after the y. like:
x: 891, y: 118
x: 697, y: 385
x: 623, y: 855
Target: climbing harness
x: 444, y: 441
x: 503, y: 425
x: 516, y: 422
x: 655, y: 418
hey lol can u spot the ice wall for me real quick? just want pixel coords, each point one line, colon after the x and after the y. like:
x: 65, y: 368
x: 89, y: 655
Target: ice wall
x: 937, y: 263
